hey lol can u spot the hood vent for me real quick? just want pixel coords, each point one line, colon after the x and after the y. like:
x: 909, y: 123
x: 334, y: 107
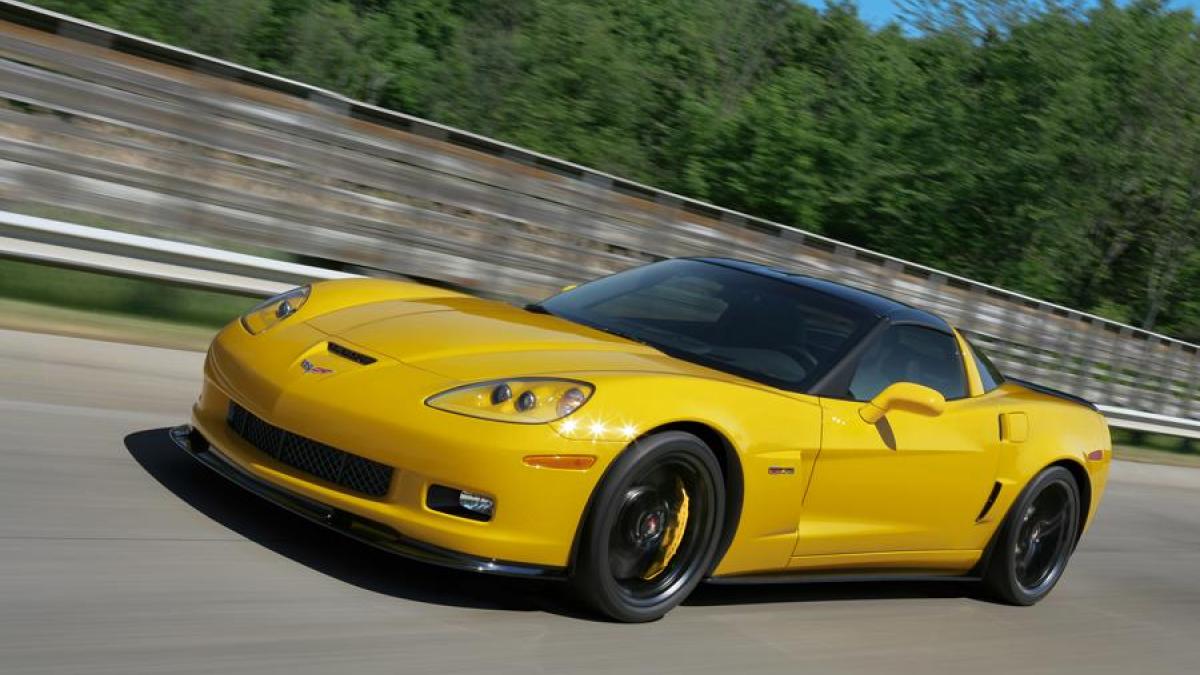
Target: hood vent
x: 347, y: 353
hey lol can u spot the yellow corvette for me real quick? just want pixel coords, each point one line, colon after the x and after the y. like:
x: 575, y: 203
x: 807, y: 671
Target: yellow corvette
x: 687, y: 420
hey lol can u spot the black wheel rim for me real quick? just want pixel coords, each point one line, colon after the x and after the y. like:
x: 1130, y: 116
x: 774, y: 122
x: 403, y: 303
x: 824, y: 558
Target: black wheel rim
x: 661, y: 528
x: 1045, y: 535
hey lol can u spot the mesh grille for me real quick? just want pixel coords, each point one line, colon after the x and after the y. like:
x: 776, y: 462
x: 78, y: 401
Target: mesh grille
x: 330, y: 464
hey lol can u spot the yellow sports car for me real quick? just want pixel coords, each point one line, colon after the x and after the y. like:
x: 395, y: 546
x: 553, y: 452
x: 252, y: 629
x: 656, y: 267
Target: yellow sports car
x: 691, y: 419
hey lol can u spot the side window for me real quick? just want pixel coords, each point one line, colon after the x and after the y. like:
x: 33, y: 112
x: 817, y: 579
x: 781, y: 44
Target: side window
x: 989, y: 374
x: 910, y: 354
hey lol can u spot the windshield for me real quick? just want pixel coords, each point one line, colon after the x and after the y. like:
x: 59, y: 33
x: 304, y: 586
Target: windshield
x: 752, y: 325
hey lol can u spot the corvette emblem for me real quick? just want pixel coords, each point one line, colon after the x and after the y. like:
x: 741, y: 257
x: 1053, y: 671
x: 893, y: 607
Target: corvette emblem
x: 313, y: 369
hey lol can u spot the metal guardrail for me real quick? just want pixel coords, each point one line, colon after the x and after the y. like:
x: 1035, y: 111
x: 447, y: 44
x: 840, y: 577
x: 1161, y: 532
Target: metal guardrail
x: 1137, y: 420
x: 95, y: 249
x: 103, y: 126
x: 99, y: 250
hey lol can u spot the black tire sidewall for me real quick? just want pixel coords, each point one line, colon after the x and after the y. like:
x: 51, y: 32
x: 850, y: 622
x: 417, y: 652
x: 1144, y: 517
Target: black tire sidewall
x: 1001, y: 576
x: 591, y: 578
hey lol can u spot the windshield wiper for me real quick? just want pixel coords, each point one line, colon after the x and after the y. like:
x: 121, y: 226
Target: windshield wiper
x: 538, y: 308
x: 619, y: 333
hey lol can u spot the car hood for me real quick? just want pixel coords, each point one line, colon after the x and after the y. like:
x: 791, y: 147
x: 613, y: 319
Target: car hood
x: 474, y: 339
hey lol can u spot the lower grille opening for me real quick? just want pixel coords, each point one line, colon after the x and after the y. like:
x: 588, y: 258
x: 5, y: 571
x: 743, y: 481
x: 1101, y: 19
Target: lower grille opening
x: 317, y: 459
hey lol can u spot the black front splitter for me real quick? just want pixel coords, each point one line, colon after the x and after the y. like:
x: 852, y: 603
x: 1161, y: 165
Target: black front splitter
x: 365, y: 530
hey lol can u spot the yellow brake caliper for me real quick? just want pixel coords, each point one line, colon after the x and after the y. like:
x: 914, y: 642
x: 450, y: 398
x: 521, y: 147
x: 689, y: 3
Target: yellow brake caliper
x: 672, y: 537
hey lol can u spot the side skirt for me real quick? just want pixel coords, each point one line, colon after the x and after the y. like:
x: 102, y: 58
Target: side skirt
x: 801, y: 577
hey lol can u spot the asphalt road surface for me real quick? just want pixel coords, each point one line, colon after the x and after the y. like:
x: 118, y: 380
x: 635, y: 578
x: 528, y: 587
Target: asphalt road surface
x: 119, y: 555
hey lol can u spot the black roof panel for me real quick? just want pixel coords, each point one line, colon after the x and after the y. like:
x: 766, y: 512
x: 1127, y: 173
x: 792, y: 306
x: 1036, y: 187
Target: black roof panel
x: 877, y: 304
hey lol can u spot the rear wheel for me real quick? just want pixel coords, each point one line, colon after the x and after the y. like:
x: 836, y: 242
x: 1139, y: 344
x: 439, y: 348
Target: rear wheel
x: 652, y: 530
x: 1036, y: 541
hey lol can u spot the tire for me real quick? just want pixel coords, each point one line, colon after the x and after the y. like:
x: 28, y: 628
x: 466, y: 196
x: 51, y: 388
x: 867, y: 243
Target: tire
x: 1033, y: 546
x: 652, y: 530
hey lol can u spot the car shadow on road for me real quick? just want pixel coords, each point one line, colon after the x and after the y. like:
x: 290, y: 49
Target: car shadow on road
x: 328, y: 552
x: 358, y: 564
x: 712, y: 595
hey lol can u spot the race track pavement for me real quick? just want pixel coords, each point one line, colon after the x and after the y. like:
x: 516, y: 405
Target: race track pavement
x: 119, y: 555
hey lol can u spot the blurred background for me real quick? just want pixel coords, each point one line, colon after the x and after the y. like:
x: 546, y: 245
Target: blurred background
x: 1029, y: 169
x: 1049, y: 148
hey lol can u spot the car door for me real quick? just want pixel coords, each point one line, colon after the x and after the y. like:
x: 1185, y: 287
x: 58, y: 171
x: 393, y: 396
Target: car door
x: 911, y: 482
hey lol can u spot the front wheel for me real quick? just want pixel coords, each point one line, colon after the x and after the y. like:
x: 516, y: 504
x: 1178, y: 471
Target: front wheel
x: 652, y: 529
x: 1036, y: 540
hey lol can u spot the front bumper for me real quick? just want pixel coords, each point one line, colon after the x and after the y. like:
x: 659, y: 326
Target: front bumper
x: 377, y: 412
x: 362, y: 529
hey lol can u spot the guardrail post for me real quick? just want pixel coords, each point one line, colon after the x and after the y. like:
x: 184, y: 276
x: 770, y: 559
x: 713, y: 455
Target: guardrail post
x: 1061, y: 353
x: 1041, y: 361
x: 892, y: 269
x: 1080, y: 378
x: 1012, y: 332
x: 936, y: 283
x: 1168, y: 401
x: 1147, y: 378
x: 85, y: 34
x: 1193, y: 383
x: 1117, y: 368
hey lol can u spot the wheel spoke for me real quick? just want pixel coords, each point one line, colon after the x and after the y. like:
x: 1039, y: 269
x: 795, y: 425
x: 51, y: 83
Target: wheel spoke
x: 1027, y: 556
x: 1053, y: 524
x: 653, y: 540
x: 626, y: 563
x: 630, y: 552
x: 1040, y: 548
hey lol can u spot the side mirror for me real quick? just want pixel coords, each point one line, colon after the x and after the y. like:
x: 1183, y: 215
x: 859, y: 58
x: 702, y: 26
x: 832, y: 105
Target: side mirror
x: 903, y: 396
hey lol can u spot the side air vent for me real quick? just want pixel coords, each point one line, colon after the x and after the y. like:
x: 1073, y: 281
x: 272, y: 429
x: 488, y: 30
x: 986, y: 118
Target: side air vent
x: 347, y: 353
x: 987, y: 506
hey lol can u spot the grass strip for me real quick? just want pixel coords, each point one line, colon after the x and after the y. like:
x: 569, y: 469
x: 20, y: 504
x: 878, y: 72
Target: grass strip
x: 44, y: 298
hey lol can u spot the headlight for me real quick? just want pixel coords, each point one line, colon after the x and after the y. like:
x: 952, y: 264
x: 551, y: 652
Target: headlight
x: 273, y: 310
x: 522, y: 400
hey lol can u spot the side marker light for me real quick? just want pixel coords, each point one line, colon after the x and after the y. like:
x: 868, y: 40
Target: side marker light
x: 569, y: 462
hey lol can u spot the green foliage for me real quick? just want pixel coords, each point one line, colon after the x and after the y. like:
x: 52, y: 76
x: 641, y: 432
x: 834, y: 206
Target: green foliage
x: 1049, y: 146
x: 104, y: 293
